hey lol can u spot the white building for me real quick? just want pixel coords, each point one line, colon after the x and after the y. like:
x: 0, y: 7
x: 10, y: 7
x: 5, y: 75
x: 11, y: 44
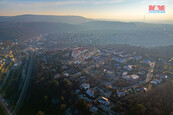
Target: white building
x: 134, y: 76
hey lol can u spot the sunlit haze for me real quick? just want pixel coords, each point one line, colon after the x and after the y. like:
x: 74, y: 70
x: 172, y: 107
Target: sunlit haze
x: 122, y: 10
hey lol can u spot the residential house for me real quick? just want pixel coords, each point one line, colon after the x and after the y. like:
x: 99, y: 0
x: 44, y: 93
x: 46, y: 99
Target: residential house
x: 119, y: 59
x: 66, y: 74
x: 156, y: 81
x: 137, y: 58
x: 121, y: 93
x: 110, y: 74
x: 129, y: 77
x: 93, y: 109
x: 90, y: 92
x: 134, y: 76
x: 162, y: 76
x: 78, y: 51
x: 125, y: 55
x: 146, y: 61
x: 104, y: 101
x: 139, y: 89
x: 118, y: 52
x: 129, y: 67
x: 85, y: 86
x: 126, y: 77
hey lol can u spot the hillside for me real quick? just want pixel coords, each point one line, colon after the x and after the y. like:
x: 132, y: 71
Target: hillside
x: 23, y: 31
x: 155, y: 102
x: 109, y: 25
x: 88, y: 30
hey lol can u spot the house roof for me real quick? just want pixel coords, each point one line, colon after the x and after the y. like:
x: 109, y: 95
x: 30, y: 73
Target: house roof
x: 134, y: 76
x: 85, y: 85
x: 90, y: 92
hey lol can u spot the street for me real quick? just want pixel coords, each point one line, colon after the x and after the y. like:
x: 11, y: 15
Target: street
x: 25, y: 87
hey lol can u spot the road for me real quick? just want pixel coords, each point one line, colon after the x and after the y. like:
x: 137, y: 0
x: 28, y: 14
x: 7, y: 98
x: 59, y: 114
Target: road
x: 149, y: 76
x: 5, y: 106
x: 128, y: 87
x: 25, y: 87
x: 2, y: 85
x: 1, y: 99
x: 150, y: 72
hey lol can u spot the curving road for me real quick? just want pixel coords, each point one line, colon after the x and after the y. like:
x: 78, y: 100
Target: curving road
x: 1, y: 98
x: 25, y: 87
x: 149, y: 77
x: 5, y: 106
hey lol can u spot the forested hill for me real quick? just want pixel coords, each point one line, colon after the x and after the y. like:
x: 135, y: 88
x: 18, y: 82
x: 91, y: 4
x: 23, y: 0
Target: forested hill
x: 23, y: 31
x: 155, y: 102
x: 104, y: 32
x: 45, y: 18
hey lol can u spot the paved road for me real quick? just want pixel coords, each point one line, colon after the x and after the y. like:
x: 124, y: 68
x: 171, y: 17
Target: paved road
x: 2, y: 85
x: 149, y: 76
x: 25, y: 87
x: 5, y: 106
x: 23, y: 76
x: 1, y: 99
x: 150, y: 72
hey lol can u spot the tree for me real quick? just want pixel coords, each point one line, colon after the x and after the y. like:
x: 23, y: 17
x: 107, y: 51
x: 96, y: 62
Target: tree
x: 67, y: 82
x: 83, y: 105
x: 40, y: 113
x: 45, y: 97
x: 62, y: 98
x: 63, y: 106
x: 171, y: 113
x: 138, y: 109
x: 56, y: 83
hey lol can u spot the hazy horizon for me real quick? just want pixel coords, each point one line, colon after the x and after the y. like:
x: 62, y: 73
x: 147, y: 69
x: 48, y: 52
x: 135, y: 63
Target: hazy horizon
x: 104, y: 19
x: 120, y: 10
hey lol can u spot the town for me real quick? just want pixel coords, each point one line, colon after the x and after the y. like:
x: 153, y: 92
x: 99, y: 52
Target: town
x: 101, y: 78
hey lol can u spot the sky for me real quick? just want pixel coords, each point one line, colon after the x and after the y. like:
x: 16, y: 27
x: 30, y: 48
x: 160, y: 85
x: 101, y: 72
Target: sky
x: 122, y: 10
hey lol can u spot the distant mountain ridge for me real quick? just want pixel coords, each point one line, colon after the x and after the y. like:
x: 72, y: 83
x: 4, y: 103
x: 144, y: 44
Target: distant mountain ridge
x: 45, y: 18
